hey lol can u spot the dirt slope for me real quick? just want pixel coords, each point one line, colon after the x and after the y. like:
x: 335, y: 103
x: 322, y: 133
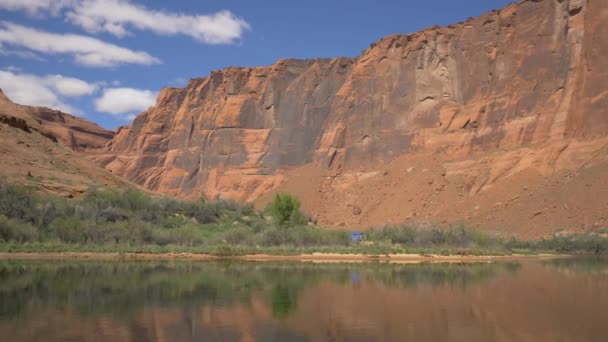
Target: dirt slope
x: 423, y: 190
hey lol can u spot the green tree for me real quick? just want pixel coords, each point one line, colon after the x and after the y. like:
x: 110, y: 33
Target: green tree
x: 285, y: 210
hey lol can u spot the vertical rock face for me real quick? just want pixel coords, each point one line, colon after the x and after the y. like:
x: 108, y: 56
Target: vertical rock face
x: 503, y: 80
x: 532, y: 75
x: 229, y: 133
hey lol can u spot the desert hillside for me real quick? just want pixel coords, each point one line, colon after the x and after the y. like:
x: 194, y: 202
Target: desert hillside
x: 69, y: 130
x: 42, y: 148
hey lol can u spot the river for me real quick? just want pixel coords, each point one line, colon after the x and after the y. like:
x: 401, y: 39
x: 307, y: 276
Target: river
x: 542, y: 300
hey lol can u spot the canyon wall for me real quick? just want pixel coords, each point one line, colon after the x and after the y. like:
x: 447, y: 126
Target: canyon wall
x: 523, y: 88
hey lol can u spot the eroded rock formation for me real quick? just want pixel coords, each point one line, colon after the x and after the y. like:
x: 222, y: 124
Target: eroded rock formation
x: 73, y: 132
x: 523, y: 88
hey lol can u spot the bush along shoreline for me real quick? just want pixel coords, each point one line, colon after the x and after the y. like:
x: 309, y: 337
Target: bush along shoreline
x: 111, y: 220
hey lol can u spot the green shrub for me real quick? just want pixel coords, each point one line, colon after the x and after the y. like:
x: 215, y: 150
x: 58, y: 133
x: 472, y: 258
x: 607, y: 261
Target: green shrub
x: 257, y: 224
x: 112, y: 214
x: 110, y: 233
x: 452, y: 238
x: 203, y: 213
x: 53, y: 208
x: 173, y: 221
x: 272, y: 237
x: 101, y: 198
x: 135, y: 200
x: 479, y: 239
x: 169, y: 207
x: 17, y: 202
x: 312, y: 236
x: 238, y: 236
x: 68, y: 229
x: 285, y: 211
x: 590, y: 243
x: 394, y: 235
x: 304, y: 236
x: 187, y: 235
x: 14, y: 231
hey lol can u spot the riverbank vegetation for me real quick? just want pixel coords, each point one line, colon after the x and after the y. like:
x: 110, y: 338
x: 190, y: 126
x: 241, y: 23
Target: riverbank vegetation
x: 110, y: 220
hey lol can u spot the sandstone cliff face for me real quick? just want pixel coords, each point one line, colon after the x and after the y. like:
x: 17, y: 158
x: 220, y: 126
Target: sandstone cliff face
x: 76, y: 133
x: 522, y: 88
x: 230, y: 132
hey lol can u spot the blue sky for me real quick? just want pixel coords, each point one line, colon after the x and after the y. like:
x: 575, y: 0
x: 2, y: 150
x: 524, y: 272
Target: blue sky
x: 107, y: 59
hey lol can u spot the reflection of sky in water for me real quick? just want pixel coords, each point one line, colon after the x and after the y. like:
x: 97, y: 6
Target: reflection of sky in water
x: 299, y: 301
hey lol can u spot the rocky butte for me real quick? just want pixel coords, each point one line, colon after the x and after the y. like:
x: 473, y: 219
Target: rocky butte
x: 499, y: 122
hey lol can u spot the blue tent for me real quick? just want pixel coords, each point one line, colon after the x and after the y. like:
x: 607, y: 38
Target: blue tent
x: 356, y: 236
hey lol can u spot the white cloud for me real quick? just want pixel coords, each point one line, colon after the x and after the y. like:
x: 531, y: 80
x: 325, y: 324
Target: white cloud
x: 118, y: 17
x: 86, y: 50
x: 45, y: 91
x: 121, y: 101
x: 68, y: 86
x: 52, y: 90
x: 12, y: 68
x: 20, y: 53
x: 35, y: 7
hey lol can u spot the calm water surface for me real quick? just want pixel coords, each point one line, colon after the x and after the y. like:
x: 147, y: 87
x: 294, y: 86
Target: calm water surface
x: 559, y: 300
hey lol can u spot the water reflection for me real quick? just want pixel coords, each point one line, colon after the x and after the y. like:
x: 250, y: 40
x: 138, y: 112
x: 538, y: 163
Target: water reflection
x: 586, y: 264
x: 123, y: 288
x: 223, y: 301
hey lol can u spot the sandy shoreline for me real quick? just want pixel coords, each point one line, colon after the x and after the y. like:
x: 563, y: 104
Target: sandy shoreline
x: 314, y: 257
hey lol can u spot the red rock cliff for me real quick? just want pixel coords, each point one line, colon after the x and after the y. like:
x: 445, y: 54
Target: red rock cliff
x: 522, y: 88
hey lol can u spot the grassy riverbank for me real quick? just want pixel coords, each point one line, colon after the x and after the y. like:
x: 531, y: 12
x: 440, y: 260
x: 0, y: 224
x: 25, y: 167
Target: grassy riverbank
x: 226, y: 250
x: 112, y: 221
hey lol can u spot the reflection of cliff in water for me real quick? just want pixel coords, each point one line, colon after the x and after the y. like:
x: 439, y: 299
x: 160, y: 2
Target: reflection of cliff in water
x: 123, y: 288
x: 588, y: 264
x: 189, y: 301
